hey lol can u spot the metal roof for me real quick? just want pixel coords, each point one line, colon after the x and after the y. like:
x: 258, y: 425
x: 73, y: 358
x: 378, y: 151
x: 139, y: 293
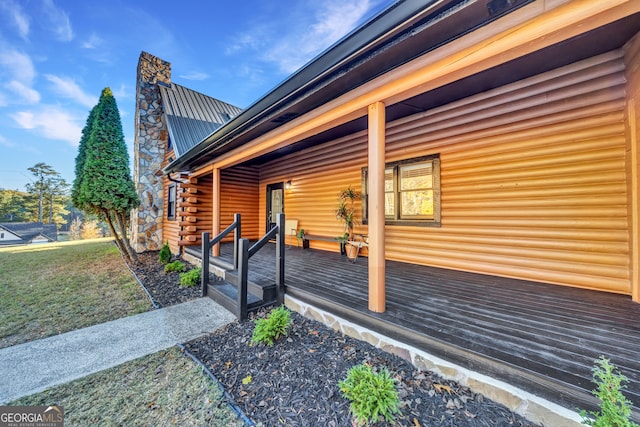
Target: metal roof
x: 191, y: 115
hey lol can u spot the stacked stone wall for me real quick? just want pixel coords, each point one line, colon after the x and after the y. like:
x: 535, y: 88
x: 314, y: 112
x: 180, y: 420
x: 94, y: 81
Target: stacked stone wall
x: 150, y: 145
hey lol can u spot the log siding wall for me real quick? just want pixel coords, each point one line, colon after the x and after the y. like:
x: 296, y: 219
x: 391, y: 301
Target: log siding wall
x: 239, y: 193
x: 533, y: 180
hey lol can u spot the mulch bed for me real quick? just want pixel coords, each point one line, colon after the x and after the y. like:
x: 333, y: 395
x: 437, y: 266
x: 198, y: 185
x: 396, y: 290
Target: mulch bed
x: 295, y: 382
x: 163, y: 287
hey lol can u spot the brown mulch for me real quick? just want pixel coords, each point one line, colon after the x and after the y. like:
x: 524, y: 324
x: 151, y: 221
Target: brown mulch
x: 295, y: 382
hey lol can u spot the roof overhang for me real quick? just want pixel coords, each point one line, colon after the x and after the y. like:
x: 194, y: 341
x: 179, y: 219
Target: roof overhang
x: 406, y: 31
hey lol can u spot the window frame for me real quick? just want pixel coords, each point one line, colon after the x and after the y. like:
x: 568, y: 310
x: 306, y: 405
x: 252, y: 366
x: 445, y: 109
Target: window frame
x: 172, y: 208
x: 396, y: 219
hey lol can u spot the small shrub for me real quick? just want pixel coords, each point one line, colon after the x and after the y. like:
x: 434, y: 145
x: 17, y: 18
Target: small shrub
x: 269, y: 329
x: 175, y: 266
x: 191, y: 277
x: 165, y: 254
x: 371, y: 394
x: 615, y: 408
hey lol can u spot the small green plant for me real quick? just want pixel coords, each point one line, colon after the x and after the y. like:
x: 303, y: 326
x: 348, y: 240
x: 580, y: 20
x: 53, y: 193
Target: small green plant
x: 371, y: 394
x: 300, y: 233
x: 190, y: 278
x: 269, y: 329
x: 175, y: 266
x: 165, y: 254
x: 615, y: 408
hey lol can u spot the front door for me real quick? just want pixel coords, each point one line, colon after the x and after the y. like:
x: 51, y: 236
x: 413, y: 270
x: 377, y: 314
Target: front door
x: 275, y: 203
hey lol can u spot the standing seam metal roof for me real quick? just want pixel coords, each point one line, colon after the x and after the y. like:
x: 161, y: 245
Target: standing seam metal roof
x: 191, y: 115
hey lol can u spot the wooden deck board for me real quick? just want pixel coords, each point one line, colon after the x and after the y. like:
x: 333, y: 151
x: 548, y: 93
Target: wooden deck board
x: 549, y: 335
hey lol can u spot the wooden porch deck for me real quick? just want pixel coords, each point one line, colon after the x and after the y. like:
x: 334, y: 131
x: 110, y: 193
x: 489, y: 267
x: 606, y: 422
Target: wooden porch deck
x: 539, y: 337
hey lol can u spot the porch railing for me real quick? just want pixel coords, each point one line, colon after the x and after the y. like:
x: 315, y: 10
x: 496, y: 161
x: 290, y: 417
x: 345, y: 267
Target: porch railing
x: 246, y: 252
x: 208, y: 244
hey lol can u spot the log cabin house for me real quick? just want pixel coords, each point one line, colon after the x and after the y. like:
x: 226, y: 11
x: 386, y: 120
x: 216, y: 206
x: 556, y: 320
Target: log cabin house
x: 492, y: 137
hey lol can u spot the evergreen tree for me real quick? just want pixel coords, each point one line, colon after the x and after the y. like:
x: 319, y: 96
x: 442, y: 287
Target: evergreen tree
x: 41, y: 187
x: 105, y: 186
x: 80, y: 158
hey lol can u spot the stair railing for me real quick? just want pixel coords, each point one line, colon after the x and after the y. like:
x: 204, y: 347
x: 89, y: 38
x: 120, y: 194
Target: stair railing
x: 208, y: 244
x: 245, y: 252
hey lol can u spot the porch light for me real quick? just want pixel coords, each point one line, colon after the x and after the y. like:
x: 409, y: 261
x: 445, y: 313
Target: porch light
x: 287, y: 185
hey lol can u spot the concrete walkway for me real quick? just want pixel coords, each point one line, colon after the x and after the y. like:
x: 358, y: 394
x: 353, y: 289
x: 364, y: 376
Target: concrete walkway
x: 38, y: 365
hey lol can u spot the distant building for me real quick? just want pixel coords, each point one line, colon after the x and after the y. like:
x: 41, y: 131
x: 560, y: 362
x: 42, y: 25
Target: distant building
x: 23, y: 233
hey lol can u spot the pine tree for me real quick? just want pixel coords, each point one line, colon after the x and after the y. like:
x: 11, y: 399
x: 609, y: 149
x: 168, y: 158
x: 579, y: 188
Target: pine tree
x: 105, y: 186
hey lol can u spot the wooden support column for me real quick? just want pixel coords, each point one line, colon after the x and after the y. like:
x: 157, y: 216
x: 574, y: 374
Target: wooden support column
x: 634, y: 161
x: 376, y: 148
x: 215, y: 209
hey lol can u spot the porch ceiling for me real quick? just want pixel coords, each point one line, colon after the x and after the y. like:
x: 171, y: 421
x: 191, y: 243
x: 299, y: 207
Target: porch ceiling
x: 604, y: 39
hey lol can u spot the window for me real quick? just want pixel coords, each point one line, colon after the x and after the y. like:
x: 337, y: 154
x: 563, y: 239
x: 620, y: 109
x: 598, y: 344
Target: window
x: 171, y: 202
x: 411, y: 192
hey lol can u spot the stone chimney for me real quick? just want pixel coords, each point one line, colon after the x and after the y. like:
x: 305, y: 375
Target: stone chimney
x: 150, y: 145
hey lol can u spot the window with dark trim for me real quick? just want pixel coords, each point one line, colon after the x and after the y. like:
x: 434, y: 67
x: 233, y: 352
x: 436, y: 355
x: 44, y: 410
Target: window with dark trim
x: 411, y: 192
x: 171, y: 202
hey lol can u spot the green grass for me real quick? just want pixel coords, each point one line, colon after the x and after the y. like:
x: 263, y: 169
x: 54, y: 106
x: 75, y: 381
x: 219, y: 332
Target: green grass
x: 58, y: 287
x: 166, y: 388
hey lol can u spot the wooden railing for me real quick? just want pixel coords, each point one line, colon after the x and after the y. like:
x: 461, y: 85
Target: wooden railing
x: 246, y: 252
x: 208, y: 244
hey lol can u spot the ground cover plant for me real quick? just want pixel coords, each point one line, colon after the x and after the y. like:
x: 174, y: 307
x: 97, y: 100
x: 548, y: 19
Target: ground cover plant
x: 166, y: 388
x: 190, y: 278
x: 615, y: 408
x: 372, y: 394
x: 176, y: 266
x: 58, y: 287
x: 268, y: 330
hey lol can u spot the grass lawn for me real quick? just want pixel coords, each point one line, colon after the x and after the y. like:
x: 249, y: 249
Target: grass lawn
x: 52, y: 288
x: 166, y: 388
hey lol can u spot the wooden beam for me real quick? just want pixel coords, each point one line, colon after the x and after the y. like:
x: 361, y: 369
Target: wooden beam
x: 215, y: 204
x: 376, y: 146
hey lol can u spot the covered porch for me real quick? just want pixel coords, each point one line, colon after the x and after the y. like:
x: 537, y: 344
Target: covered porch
x: 539, y: 337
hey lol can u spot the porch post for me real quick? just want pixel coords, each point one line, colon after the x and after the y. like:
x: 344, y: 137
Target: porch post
x: 376, y: 148
x: 215, y: 209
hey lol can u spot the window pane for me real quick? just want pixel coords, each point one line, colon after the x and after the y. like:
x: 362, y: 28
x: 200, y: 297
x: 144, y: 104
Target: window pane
x: 418, y: 176
x: 389, y: 207
x: 417, y: 204
x: 388, y: 180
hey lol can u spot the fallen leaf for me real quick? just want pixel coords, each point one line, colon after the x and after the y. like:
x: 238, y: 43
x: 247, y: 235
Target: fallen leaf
x: 416, y: 423
x: 246, y: 380
x: 442, y: 387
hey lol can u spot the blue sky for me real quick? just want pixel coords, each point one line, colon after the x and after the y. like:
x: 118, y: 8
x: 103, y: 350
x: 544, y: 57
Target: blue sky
x: 56, y: 56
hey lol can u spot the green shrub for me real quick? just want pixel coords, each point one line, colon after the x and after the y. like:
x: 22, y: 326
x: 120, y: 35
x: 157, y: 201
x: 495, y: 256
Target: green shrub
x: 371, y: 394
x: 190, y: 278
x: 174, y: 266
x: 165, y: 254
x: 269, y: 329
x: 615, y: 408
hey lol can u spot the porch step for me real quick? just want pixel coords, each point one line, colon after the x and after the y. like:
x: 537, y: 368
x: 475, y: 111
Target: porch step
x: 226, y: 294
x: 263, y: 288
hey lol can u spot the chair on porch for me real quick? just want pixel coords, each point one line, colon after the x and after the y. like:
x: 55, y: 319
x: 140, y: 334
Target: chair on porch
x: 291, y: 228
x: 359, y: 241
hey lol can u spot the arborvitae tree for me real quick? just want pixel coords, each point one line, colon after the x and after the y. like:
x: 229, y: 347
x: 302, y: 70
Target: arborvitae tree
x: 80, y: 158
x: 105, y: 185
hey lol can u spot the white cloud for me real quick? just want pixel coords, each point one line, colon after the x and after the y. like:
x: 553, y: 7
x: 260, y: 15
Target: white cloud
x: 93, y: 43
x: 18, y: 17
x: 309, y: 32
x: 59, y: 20
x: 5, y: 143
x: 68, y: 88
x: 121, y: 92
x: 195, y: 75
x: 18, y: 65
x: 51, y: 122
x: 24, y: 92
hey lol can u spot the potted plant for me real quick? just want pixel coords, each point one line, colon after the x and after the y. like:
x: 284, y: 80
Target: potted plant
x: 346, y: 213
